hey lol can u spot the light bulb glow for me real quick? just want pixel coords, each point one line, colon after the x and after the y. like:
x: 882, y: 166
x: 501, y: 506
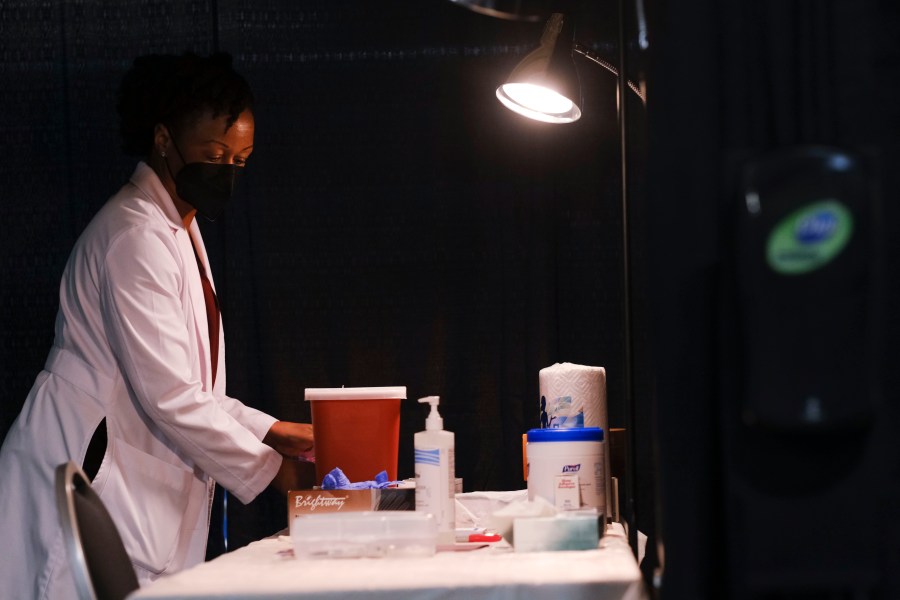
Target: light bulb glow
x: 539, y: 98
x: 537, y: 102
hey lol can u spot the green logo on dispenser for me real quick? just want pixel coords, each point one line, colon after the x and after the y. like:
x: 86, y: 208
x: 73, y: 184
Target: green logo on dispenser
x: 809, y: 238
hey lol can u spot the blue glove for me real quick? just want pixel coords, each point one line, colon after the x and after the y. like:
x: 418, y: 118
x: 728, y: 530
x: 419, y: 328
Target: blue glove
x: 336, y: 480
x: 381, y: 481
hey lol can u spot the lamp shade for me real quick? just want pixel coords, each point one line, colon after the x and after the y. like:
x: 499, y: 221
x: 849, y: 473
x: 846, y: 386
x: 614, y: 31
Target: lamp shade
x: 545, y: 85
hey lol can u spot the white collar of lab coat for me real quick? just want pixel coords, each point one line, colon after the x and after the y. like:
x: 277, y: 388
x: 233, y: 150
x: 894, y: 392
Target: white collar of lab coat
x: 146, y: 180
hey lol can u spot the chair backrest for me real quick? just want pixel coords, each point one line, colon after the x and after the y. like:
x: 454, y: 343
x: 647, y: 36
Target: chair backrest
x: 100, y: 565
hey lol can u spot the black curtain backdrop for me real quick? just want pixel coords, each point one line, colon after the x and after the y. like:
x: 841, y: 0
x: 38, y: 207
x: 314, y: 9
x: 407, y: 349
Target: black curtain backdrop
x: 396, y: 225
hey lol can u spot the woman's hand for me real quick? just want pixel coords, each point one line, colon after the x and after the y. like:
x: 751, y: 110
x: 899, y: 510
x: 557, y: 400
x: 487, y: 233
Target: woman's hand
x: 292, y: 440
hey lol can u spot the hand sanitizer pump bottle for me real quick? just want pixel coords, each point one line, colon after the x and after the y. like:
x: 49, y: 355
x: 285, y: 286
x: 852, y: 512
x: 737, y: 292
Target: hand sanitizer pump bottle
x: 435, y: 472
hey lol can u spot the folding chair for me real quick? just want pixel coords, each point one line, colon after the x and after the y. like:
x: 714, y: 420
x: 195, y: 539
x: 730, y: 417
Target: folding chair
x: 100, y: 566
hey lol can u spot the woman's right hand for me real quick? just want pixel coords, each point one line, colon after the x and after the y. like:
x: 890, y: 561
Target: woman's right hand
x: 292, y: 440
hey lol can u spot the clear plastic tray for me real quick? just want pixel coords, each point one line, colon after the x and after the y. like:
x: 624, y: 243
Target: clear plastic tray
x: 371, y: 534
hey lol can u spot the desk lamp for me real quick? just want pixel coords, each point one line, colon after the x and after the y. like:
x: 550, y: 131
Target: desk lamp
x: 544, y: 86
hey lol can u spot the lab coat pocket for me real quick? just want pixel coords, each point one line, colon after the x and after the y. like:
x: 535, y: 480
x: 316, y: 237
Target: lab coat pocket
x: 147, y: 497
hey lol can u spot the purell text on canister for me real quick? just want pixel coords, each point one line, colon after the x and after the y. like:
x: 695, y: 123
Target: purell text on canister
x: 556, y: 455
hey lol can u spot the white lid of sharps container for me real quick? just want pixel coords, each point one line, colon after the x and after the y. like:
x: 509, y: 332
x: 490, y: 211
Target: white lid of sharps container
x: 356, y: 393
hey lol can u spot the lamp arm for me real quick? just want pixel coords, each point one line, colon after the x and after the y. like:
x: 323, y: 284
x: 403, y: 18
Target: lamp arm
x: 582, y: 50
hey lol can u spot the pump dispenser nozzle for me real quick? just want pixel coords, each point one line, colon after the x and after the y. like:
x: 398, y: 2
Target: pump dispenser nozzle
x: 434, y: 422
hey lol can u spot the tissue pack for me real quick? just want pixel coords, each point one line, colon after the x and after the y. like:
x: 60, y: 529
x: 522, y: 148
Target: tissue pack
x: 316, y: 501
x: 572, y: 531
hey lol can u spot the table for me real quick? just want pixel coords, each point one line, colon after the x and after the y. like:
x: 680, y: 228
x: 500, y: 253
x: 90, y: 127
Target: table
x: 268, y: 569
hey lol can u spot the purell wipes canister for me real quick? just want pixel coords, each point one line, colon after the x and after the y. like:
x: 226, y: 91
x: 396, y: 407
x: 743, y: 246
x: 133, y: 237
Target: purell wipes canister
x: 566, y: 467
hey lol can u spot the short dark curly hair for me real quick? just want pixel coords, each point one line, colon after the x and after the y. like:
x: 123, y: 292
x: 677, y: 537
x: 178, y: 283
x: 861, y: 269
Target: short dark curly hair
x: 176, y: 90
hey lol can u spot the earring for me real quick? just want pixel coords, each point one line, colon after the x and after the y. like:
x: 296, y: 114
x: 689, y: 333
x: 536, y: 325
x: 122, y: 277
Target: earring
x: 163, y: 153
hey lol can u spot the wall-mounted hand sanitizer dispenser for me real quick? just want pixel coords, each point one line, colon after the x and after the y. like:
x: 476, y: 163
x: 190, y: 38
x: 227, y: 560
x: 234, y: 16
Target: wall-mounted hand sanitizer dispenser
x: 805, y: 280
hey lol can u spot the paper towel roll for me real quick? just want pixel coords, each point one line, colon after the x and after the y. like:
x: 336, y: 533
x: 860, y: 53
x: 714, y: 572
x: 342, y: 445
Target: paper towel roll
x: 573, y: 396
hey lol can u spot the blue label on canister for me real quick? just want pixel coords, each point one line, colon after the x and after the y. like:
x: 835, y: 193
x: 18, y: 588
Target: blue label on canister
x: 579, y: 434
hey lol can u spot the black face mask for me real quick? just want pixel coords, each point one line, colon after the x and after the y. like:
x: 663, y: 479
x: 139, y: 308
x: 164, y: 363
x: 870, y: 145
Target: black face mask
x: 205, y: 186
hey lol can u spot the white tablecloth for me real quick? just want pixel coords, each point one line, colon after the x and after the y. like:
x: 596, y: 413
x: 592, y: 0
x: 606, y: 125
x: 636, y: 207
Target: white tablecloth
x: 268, y: 569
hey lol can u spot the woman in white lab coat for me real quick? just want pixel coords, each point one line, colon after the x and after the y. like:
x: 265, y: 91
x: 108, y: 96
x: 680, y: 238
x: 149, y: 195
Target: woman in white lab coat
x: 137, y: 367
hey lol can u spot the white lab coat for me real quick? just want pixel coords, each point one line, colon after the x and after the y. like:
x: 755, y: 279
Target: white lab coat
x: 131, y: 346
